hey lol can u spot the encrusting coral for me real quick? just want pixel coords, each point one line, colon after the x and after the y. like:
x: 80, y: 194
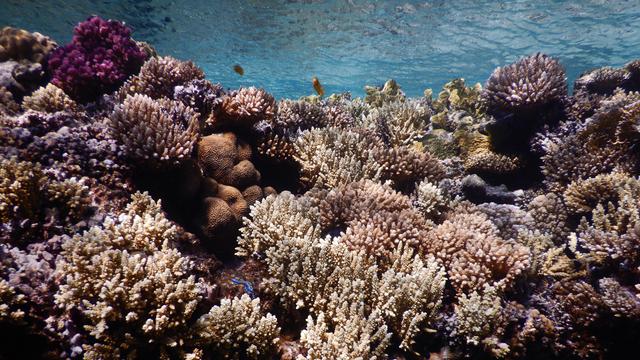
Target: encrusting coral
x: 495, y: 222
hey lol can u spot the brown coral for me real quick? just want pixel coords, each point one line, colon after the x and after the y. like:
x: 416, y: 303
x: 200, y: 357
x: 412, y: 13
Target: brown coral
x: 474, y: 254
x: 373, y: 217
x: 531, y: 82
x: 159, y: 76
x: 244, y: 108
x: 18, y: 44
x: 7, y: 104
x: 405, y: 166
x: 49, y: 99
x: 155, y: 131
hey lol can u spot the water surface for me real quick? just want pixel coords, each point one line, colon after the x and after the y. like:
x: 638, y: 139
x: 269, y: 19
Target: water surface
x: 347, y: 44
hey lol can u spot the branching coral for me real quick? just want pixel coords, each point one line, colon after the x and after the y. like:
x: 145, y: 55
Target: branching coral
x: 49, y: 99
x: 405, y: 166
x: 400, y: 123
x: 473, y: 253
x: 98, y: 60
x: 371, y: 217
x: 478, y: 320
x: 159, y: 132
x: 130, y: 287
x: 21, y: 188
x: 357, y: 337
x: 531, y: 82
x: 328, y: 279
x: 244, y: 108
x: 159, y: 76
x: 331, y: 156
x: 236, y: 329
x: 273, y: 219
x: 8, y: 105
x: 430, y: 200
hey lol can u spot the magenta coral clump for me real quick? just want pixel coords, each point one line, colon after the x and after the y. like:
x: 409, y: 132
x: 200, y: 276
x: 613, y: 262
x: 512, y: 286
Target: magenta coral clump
x: 100, y: 57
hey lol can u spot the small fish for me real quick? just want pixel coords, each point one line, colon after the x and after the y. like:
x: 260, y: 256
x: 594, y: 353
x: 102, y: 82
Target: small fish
x: 248, y: 287
x: 316, y: 85
x: 237, y: 68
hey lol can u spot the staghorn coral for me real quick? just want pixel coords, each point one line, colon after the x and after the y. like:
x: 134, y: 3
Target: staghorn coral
x: 130, y: 287
x: 98, y: 60
x: 236, y: 329
x: 274, y: 218
x: 399, y: 123
x: 49, y: 99
x: 531, y: 82
x: 582, y: 196
x: 330, y: 157
x: 21, y: 45
x: 153, y: 131
x: 11, y: 304
x: 296, y: 115
x: 159, y: 76
x: 357, y: 337
x: 621, y: 301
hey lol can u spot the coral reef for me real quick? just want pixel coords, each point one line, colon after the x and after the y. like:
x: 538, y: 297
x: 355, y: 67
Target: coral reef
x: 98, y: 60
x: 173, y: 218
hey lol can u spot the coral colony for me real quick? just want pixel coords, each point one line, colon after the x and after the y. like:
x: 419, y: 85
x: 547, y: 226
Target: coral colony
x: 149, y: 213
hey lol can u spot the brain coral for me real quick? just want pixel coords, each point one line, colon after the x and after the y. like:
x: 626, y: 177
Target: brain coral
x: 531, y: 82
x: 98, y: 60
x: 155, y: 131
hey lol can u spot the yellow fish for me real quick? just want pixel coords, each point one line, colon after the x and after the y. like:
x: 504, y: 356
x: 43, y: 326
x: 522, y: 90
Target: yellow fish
x: 317, y: 86
x: 237, y: 68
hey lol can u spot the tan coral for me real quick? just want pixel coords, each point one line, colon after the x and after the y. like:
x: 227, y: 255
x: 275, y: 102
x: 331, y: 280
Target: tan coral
x: 330, y: 157
x: 246, y: 107
x: 474, y: 254
x: 157, y: 131
x: 159, y: 76
x: 400, y: 123
x: 273, y: 219
x: 49, y: 99
x: 126, y: 273
x: 405, y: 166
x: 236, y: 329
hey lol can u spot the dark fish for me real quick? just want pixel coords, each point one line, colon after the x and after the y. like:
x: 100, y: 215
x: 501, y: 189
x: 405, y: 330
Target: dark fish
x: 237, y: 68
x: 316, y: 85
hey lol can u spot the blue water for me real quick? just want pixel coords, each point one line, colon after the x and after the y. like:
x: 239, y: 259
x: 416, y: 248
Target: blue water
x: 347, y: 44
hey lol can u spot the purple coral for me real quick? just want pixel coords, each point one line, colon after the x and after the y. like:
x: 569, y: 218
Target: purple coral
x: 98, y: 60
